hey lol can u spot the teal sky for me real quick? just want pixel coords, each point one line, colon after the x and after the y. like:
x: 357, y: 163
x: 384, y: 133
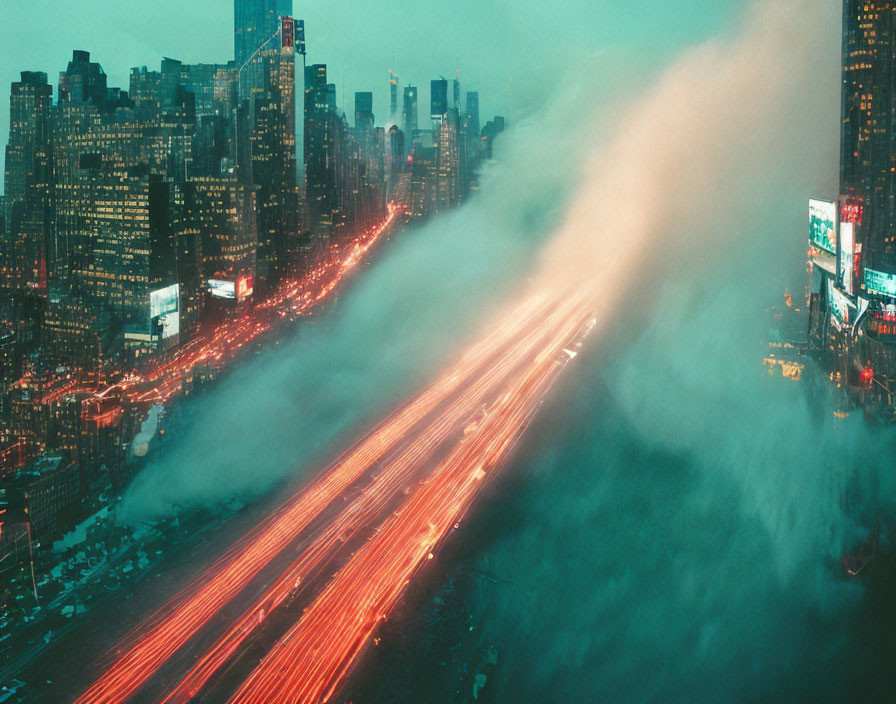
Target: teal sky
x: 512, y: 51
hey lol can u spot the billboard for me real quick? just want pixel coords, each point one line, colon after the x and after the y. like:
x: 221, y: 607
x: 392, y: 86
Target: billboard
x: 839, y: 306
x: 222, y: 289
x: 245, y: 286
x: 287, y: 33
x: 861, y: 309
x: 164, y: 310
x: 852, y: 210
x: 880, y: 283
x: 823, y: 225
x: 847, y: 257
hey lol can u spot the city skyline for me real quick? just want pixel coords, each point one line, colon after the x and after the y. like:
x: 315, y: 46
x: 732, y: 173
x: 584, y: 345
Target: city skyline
x: 360, y: 45
x: 567, y: 400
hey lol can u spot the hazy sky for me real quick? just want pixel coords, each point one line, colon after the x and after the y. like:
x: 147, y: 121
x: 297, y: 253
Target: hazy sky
x: 512, y: 51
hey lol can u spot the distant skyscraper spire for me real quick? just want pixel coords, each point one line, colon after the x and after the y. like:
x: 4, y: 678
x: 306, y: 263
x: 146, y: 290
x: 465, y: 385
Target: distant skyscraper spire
x: 393, y: 95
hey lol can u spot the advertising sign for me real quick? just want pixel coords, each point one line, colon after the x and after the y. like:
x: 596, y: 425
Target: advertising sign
x: 823, y: 260
x: 222, y: 289
x: 287, y: 33
x: 847, y: 257
x: 245, y: 286
x: 852, y: 211
x: 164, y: 309
x: 839, y: 306
x: 862, y: 308
x: 880, y: 283
x: 823, y: 225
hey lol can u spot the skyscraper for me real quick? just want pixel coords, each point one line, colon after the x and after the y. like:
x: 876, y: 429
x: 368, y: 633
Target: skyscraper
x: 222, y: 210
x: 319, y: 150
x: 410, y: 114
x: 471, y: 120
x: 26, y: 181
x: 438, y: 99
x: 364, y: 110
x: 274, y: 159
x: 448, y: 189
x: 393, y: 95
x: 255, y: 22
x: 83, y: 81
x: 868, y: 125
x: 853, y: 241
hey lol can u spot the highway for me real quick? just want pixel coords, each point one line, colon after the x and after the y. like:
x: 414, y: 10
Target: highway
x: 307, y: 587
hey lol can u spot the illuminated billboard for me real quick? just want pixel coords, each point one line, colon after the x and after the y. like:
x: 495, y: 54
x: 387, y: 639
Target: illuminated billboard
x: 287, y: 33
x: 245, y: 286
x: 222, y: 289
x: 164, y: 310
x: 880, y: 283
x: 823, y: 225
x: 852, y: 210
x: 847, y: 257
x: 839, y: 306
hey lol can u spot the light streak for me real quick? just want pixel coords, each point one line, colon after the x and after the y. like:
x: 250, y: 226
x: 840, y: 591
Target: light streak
x: 164, y: 381
x: 481, y: 406
x: 310, y: 662
x: 149, y: 648
x: 395, y: 476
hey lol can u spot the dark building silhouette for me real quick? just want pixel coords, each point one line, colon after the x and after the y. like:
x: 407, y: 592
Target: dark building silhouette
x: 410, y: 113
x: 27, y: 183
x: 438, y: 99
x: 364, y: 110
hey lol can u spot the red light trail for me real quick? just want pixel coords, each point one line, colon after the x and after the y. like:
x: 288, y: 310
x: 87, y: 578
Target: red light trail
x: 310, y: 662
x: 394, y: 477
x: 169, y: 630
x: 296, y: 297
x: 517, y: 362
x: 432, y: 456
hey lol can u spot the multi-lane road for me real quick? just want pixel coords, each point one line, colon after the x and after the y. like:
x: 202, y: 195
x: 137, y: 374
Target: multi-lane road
x: 287, y: 611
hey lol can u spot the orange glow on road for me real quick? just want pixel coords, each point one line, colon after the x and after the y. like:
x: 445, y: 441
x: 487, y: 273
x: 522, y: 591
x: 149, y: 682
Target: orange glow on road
x: 398, y: 474
x: 431, y: 457
x: 149, y: 648
x: 310, y: 662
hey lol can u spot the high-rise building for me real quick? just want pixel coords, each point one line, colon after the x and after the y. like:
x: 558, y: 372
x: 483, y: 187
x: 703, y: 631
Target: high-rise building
x: 223, y: 210
x: 130, y: 251
x: 868, y: 128
x: 410, y: 114
x: 83, y: 81
x: 393, y: 95
x: 274, y: 161
x: 490, y: 132
x: 27, y: 182
x: 255, y: 24
x: 448, y: 191
x: 423, y: 181
x: 364, y: 110
x: 438, y: 99
x: 853, y: 238
x: 212, y: 85
x: 344, y: 168
x: 320, y: 176
x: 471, y: 118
